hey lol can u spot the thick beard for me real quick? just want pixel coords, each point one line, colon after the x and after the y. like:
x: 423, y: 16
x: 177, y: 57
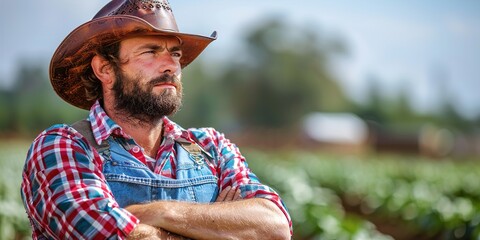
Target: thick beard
x: 140, y: 103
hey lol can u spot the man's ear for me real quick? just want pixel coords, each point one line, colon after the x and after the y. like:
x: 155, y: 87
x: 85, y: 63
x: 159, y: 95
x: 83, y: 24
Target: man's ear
x: 103, y: 70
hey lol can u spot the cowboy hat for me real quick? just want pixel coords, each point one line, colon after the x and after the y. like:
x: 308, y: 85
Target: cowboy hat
x: 116, y: 20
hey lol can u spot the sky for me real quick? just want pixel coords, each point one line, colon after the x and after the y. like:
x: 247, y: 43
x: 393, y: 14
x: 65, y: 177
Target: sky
x: 421, y: 45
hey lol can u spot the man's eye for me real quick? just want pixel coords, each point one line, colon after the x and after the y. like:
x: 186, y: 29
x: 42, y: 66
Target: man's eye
x: 177, y: 54
x: 149, y: 52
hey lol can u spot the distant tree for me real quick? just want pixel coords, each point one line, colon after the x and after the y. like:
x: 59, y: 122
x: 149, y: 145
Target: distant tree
x: 373, y: 108
x: 450, y: 117
x: 397, y: 111
x: 285, y: 73
x: 32, y: 103
x: 204, y: 100
x: 7, y: 120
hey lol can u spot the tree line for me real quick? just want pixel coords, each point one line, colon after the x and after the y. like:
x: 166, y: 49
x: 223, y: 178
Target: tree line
x: 280, y: 74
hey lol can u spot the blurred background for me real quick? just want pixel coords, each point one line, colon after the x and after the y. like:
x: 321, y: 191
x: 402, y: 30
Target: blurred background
x: 365, y: 116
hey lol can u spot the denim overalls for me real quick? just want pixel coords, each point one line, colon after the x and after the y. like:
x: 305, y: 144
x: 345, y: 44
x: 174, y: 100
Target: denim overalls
x: 132, y: 182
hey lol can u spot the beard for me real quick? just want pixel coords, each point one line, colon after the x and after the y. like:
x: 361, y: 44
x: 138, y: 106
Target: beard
x: 141, y: 103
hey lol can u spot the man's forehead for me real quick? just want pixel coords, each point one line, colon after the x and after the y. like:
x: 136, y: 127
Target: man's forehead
x: 153, y: 39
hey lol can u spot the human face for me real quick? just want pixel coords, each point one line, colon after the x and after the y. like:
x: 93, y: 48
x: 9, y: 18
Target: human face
x: 147, y: 84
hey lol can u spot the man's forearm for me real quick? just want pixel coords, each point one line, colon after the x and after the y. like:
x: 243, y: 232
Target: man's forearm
x: 246, y: 219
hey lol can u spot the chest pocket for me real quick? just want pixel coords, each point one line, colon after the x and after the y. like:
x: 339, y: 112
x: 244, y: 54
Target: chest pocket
x: 132, y: 182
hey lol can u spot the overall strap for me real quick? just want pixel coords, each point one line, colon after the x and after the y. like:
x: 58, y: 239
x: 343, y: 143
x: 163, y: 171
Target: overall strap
x: 84, y: 128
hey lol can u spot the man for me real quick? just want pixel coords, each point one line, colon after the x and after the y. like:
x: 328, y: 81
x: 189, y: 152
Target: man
x: 128, y: 172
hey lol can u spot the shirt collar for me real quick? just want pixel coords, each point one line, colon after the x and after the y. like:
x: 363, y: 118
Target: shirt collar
x: 103, y: 126
x: 171, y: 130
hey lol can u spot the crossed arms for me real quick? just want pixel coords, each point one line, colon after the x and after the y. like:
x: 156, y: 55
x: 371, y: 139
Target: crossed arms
x: 228, y: 218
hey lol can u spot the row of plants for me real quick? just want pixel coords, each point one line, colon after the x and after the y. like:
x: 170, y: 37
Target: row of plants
x: 13, y: 219
x: 316, y: 211
x: 439, y: 199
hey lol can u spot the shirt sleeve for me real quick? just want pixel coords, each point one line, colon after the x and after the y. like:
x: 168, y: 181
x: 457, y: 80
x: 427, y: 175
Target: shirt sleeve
x: 65, y: 193
x: 233, y: 170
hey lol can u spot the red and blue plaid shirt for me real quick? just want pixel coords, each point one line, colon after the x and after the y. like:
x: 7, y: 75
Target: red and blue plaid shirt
x: 67, y: 197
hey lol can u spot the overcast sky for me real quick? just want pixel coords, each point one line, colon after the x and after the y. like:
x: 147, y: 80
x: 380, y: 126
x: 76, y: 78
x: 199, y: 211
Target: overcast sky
x: 421, y: 44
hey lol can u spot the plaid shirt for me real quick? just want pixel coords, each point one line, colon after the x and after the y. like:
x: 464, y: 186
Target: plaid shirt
x: 67, y: 197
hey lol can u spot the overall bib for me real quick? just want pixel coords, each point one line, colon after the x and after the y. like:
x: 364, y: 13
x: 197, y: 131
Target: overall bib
x: 132, y: 182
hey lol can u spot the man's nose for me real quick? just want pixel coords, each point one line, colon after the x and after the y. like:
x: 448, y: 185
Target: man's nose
x: 169, y: 64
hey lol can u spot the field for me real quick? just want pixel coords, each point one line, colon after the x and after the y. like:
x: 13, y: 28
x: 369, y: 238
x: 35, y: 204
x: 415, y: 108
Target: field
x: 330, y: 196
x: 13, y: 220
x: 375, y: 197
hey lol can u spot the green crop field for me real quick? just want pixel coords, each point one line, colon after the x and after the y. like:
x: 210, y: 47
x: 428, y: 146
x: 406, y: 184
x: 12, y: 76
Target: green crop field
x: 329, y: 196
x: 13, y: 220
x: 352, y: 197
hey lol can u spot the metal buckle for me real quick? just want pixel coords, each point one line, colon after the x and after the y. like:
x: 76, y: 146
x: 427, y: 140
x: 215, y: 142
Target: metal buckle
x: 198, y: 158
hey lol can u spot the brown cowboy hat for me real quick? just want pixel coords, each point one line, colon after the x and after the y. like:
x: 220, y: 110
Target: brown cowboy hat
x: 118, y: 19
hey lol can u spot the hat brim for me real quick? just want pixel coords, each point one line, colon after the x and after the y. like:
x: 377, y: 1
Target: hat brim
x: 101, y: 31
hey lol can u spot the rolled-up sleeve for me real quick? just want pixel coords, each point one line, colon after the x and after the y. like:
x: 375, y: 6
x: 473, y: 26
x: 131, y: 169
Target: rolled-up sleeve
x: 65, y: 193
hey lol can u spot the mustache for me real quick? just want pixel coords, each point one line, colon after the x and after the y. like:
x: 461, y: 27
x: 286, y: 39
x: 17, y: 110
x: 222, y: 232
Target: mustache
x: 165, y: 78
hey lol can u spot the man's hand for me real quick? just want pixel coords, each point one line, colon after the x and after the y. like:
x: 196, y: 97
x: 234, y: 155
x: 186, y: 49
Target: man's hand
x: 147, y: 232
x: 229, y: 194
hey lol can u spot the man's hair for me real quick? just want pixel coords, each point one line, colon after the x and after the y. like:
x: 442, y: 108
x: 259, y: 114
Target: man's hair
x: 93, y: 86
